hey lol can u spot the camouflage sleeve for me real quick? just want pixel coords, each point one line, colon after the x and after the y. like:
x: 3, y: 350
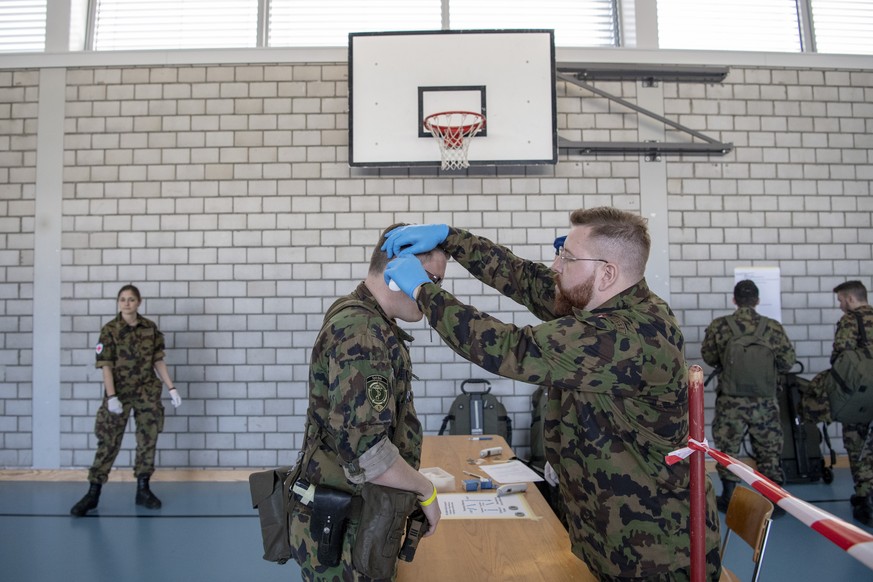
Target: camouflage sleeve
x: 528, y: 283
x: 711, y: 349
x: 557, y: 353
x: 782, y: 348
x: 846, y: 336
x: 361, y: 408
x: 159, y: 347
x: 105, y: 348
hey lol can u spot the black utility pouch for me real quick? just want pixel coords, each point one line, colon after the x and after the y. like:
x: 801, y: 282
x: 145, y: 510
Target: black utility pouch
x: 330, y: 510
x: 380, y: 533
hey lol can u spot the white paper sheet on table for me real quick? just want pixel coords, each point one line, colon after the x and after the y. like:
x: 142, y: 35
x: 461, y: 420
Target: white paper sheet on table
x: 485, y: 505
x: 511, y: 472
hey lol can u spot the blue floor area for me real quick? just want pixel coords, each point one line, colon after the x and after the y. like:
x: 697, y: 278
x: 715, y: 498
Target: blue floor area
x: 208, y: 532
x: 204, y: 532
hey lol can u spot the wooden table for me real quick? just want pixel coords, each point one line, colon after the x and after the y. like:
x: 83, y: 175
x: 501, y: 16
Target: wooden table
x: 486, y: 550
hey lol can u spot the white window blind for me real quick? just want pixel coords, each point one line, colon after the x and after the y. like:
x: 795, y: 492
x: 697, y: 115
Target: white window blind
x: 22, y: 25
x: 742, y: 25
x: 329, y: 22
x: 843, y: 26
x: 171, y: 24
x: 576, y: 22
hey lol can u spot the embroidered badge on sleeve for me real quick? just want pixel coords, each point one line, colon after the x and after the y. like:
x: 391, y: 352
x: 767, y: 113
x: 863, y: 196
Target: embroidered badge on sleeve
x: 377, y: 392
x: 99, y: 349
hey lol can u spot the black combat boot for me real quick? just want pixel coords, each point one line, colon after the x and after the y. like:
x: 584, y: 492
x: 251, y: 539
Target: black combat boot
x: 144, y: 495
x: 727, y: 492
x: 88, y: 502
x: 861, y: 509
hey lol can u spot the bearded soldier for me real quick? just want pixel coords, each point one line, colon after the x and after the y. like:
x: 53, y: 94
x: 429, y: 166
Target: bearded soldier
x: 611, y: 354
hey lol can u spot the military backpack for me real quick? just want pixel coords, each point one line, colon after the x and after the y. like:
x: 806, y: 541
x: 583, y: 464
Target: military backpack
x: 852, y: 396
x: 749, y: 364
x: 478, y: 412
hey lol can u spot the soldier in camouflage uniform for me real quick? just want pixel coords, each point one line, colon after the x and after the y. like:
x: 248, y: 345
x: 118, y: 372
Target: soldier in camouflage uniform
x: 611, y: 354
x: 857, y: 438
x: 361, y: 423
x: 733, y: 414
x: 130, y: 351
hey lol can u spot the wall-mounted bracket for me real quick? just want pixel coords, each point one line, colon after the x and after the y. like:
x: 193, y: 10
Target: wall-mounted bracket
x: 709, y: 146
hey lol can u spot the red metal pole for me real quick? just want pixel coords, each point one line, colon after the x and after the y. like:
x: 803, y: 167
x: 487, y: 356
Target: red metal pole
x: 698, y: 475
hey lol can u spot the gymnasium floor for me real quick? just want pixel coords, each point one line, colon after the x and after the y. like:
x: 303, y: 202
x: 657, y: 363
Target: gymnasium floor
x: 207, y: 531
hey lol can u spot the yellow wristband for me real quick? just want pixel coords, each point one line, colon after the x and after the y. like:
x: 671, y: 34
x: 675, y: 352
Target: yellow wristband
x: 430, y: 499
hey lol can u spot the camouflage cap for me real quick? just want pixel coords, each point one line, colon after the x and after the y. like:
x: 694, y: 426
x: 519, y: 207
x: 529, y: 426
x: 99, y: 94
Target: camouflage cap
x: 745, y: 289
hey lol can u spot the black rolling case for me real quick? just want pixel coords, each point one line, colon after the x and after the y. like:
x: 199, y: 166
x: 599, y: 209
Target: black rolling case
x: 802, y: 458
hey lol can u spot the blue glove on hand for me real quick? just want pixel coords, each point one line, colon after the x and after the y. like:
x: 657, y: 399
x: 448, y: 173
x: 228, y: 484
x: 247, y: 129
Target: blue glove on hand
x: 415, y: 239
x: 407, y: 273
x: 559, y: 242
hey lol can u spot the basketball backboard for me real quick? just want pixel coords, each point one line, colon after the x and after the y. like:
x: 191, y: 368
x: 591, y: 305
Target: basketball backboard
x: 396, y: 79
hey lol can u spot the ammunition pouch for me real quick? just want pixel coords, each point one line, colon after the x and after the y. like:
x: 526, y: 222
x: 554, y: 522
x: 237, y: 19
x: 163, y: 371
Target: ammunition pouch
x: 330, y: 512
x: 269, y: 496
x: 381, y: 529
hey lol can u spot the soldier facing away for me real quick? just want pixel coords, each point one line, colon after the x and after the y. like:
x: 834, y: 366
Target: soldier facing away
x: 747, y: 384
x: 130, y: 351
x: 361, y: 423
x: 611, y: 354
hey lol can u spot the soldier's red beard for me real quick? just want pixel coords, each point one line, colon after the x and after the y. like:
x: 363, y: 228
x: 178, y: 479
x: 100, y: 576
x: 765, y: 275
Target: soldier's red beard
x: 577, y: 297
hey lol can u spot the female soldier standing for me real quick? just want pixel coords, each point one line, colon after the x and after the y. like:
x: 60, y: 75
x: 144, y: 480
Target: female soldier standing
x: 130, y: 351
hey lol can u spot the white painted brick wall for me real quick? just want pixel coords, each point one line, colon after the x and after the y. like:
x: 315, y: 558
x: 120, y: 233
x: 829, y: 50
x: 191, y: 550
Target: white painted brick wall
x: 224, y: 193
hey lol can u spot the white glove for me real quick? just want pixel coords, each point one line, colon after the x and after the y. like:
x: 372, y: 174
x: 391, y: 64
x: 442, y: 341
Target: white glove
x: 550, y: 474
x: 175, y: 398
x: 114, y: 405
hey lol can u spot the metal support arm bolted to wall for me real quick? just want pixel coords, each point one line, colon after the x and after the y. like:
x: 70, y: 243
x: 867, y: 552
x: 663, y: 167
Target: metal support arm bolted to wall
x: 574, y: 74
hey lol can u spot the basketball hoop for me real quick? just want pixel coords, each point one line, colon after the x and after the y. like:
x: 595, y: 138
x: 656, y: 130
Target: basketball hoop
x: 453, y: 131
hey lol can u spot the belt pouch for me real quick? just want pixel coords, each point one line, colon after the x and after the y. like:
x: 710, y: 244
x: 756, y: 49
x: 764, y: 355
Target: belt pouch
x: 330, y: 509
x: 380, y: 533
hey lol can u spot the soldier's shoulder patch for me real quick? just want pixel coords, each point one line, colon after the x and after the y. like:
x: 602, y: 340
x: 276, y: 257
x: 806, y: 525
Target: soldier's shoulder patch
x: 99, y: 349
x: 377, y: 392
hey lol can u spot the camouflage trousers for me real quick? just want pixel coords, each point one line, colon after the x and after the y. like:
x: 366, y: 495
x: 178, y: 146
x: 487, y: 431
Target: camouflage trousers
x: 713, y: 572
x: 148, y: 414
x: 858, y: 439
x: 304, y: 550
x: 733, y: 414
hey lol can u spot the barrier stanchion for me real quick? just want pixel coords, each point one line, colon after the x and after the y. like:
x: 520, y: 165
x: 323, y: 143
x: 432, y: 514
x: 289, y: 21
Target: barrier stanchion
x: 853, y: 540
x: 698, y: 475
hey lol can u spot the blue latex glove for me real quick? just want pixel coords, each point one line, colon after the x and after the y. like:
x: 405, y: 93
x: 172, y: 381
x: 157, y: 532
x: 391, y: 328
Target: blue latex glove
x: 406, y: 273
x: 415, y: 239
x: 559, y: 242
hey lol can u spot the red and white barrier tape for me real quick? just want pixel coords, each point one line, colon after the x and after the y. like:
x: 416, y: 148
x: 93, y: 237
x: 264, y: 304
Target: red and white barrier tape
x: 857, y: 542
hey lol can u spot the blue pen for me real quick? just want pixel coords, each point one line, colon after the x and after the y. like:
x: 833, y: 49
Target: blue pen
x: 480, y: 438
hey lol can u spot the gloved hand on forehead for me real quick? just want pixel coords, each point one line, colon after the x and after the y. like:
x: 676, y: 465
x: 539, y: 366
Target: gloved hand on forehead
x: 559, y: 242
x: 414, y: 239
x: 407, y: 273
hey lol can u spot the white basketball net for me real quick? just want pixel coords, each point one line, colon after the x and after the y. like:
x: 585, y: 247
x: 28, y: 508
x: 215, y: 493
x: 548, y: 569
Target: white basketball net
x: 453, y: 131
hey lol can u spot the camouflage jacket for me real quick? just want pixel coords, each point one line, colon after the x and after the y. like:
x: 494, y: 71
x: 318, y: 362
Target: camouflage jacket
x: 360, y: 391
x: 618, y: 403
x: 132, y: 352
x: 718, y: 334
x: 847, y: 336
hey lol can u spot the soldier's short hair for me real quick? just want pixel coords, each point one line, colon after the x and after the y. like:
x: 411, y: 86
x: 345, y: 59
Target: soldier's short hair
x: 746, y: 293
x: 621, y: 233
x: 379, y: 259
x: 854, y: 288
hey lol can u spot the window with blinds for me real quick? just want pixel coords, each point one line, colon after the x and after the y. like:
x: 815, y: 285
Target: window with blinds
x: 740, y: 25
x: 592, y: 23
x: 175, y: 24
x: 22, y: 25
x: 843, y: 26
x: 329, y: 22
